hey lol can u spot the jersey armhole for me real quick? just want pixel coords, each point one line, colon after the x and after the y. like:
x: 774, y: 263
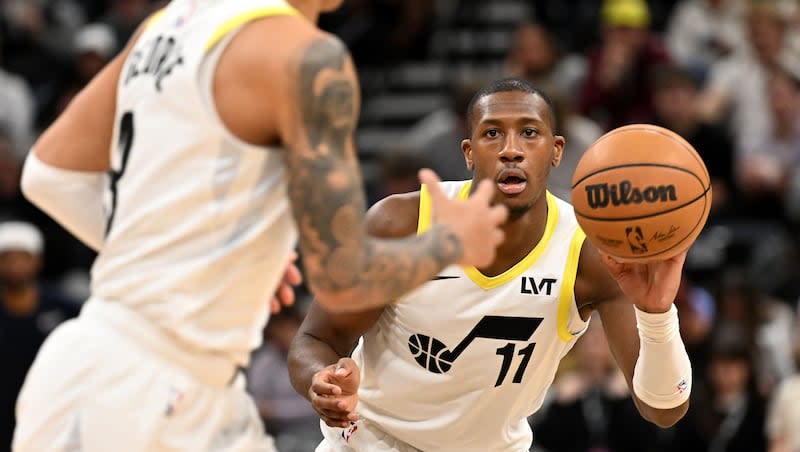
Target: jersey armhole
x: 213, y: 49
x: 566, y: 297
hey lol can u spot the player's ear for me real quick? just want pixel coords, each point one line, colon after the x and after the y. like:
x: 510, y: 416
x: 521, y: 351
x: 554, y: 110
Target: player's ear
x: 466, y: 148
x: 558, y: 150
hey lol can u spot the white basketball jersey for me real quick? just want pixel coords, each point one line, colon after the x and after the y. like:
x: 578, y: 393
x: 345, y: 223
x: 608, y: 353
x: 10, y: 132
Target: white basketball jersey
x: 199, y: 223
x: 459, y: 363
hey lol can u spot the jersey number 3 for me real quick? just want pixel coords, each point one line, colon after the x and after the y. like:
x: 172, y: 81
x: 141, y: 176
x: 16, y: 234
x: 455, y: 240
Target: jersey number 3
x: 124, y: 144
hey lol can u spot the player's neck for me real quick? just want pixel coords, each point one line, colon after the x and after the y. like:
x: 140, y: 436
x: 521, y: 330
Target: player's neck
x: 521, y: 237
x: 310, y: 9
x: 20, y: 300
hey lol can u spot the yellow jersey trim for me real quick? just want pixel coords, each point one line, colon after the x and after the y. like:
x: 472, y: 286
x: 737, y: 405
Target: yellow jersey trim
x: 424, y: 222
x: 154, y: 18
x: 568, y: 285
x: 234, y: 22
x: 490, y: 282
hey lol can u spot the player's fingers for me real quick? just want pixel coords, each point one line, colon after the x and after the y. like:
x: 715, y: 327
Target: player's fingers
x: 345, y: 367
x: 336, y: 423
x: 323, y: 388
x: 293, y: 275
x: 498, y: 214
x: 274, y: 305
x: 498, y: 236
x: 330, y: 406
x: 615, y: 266
x: 484, y: 193
x: 678, y: 259
x: 286, y: 295
x: 431, y: 181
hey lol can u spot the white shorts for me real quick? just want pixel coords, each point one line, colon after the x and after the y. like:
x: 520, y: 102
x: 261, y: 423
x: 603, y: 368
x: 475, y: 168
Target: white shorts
x: 362, y: 436
x: 111, y: 381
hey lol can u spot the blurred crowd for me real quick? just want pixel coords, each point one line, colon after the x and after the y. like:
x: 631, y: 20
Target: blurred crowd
x: 725, y: 74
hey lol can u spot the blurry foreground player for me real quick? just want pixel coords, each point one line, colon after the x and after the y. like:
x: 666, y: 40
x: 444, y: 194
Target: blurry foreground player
x: 460, y: 363
x: 217, y: 122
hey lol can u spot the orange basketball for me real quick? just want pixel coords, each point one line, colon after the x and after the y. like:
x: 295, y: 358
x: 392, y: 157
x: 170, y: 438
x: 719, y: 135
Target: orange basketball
x: 641, y: 192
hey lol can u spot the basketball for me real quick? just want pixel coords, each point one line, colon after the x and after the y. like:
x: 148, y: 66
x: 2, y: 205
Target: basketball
x: 641, y: 193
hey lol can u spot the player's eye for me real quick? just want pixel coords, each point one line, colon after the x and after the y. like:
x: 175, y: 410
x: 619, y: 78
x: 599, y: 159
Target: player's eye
x: 530, y: 132
x: 492, y: 133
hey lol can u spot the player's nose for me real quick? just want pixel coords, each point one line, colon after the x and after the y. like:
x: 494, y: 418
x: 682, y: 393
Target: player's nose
x: 512, y: 150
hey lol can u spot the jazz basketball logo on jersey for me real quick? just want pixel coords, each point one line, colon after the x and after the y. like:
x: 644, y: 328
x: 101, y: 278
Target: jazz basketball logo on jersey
x: 433, y: 355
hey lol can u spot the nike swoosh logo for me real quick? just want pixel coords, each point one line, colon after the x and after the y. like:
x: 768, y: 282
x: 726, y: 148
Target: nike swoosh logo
x: 437, y: 278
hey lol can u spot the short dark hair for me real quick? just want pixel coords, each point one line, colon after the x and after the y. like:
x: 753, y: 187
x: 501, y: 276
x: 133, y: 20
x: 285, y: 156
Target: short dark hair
x: 510, y: 84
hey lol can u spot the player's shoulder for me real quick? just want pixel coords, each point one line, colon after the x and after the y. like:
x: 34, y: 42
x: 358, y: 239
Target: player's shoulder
x: 394, y: 216
x: 287, y: 42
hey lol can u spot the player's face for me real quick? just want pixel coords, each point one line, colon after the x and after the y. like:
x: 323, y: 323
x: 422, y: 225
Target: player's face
x: 513, y: 144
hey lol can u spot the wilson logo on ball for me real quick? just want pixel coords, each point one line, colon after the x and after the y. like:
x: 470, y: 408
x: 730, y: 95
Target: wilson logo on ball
x: 599, y: 195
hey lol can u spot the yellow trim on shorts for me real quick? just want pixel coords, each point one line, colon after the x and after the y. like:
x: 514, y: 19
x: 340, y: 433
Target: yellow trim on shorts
x: 154, y: 18
x: 490, y: 282
x: 234, y: 22
x: 424, y: 221
x: 568, y: 285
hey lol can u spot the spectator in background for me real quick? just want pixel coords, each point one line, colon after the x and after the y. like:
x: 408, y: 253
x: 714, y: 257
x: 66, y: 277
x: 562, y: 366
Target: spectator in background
x: 381, y: 31
x: 286, y: 414
x: 590, y: 408
x: 17, y: 113
x: 729, y: 416
x: 579, y: 133
x: 765, y: 168
x: 765, y: 322
x: 123, y: 16
x: 783, y: 417
x: 11, y: 201
x: 535, y: 57
x: 29, y: 310
x: 38, y: 39
x: 734, y: 94
x: 675, y: 93
x: 437, y: 137
x: 617, y: 90
x: 697, y: 313
x: 700, y: 32
x: 93, y: 47
x: 399, y: 172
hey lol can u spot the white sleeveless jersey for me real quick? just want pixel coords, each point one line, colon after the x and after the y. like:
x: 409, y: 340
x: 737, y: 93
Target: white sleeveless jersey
x: 459, y: 363
x: 199, y: 223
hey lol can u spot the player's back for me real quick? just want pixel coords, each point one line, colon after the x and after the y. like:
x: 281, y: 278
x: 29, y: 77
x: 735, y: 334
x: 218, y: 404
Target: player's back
x: 199, y: 227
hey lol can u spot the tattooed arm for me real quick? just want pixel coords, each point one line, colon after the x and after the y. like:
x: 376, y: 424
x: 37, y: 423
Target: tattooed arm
x: 345, y: 268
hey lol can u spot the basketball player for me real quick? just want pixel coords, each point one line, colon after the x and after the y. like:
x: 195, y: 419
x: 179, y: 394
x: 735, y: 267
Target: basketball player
x: 191, y: 137
x: 461, y: 362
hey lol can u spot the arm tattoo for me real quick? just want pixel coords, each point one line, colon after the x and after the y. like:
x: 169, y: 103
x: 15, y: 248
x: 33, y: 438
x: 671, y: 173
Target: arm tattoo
x: 327, y: 198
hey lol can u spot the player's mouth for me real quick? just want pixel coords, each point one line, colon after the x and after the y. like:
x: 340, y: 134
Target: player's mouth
x: 512, y: 181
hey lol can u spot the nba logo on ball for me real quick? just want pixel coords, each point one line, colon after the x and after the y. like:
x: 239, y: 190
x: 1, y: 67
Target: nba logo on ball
x: 641, y: 192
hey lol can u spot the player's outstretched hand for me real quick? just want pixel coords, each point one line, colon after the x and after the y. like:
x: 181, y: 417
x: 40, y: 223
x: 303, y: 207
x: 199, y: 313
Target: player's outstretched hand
x: 334, y: 393
x: 652, y: 285
x: 475, y: 221
x: 284, y: 294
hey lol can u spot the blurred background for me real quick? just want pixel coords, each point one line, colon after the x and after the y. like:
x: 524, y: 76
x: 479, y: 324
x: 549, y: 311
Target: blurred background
x: 725, y: 74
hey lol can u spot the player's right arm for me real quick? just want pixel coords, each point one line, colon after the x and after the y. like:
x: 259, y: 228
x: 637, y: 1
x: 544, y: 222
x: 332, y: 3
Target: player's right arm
x: 318, y: 361
x: 345, y: 268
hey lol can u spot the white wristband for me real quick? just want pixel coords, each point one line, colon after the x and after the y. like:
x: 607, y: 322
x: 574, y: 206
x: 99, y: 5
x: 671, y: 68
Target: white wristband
x: 662, y: 377
x: 73, y: 198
